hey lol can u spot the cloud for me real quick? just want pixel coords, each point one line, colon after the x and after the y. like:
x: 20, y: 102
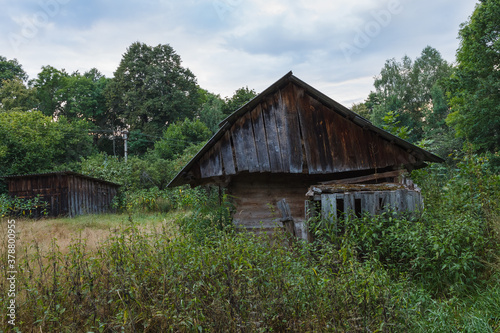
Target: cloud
x: 229, y: 44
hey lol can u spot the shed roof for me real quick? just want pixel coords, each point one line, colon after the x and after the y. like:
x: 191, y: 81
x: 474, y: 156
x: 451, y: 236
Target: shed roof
x: 60, y: 173
x: 252, y: 113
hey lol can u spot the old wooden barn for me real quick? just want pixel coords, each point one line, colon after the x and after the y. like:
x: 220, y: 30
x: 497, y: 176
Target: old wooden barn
x: 67, y: 193
x: 292, y: 140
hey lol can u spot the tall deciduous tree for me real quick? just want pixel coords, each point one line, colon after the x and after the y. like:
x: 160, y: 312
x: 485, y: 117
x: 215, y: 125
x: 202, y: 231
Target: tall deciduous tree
x: 240, y: 97
x: 48, y: 84
x: 15, y: 96
x: 11, y: 69
x: 210, y: 111
x: 405, y: 89
x: 475, y: 86
x: 151, y: 89
x: 32, y: 142
x: 180, y: 136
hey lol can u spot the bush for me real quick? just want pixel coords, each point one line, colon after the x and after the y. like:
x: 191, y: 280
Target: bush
x: 450, y: 247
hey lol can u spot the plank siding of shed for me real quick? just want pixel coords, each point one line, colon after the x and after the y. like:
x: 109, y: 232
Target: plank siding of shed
x: 66, y: 194
x: 272, y: 138
x: 259, y: 131
x: 227, y: 155
x: 291, y: 114
x: 290, y: 131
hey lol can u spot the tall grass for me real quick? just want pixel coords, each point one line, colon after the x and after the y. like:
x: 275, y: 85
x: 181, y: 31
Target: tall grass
x: 143, y: 282
x: 432, y: 273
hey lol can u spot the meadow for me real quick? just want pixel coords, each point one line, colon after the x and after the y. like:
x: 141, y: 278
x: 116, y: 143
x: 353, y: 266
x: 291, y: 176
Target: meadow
x: 187, y: 268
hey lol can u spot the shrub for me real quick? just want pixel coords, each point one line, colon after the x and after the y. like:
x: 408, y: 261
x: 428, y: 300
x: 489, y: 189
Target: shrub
x: 13, y: 206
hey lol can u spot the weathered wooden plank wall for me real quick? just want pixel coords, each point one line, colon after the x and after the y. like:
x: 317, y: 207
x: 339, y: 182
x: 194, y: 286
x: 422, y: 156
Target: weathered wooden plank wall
x: 358, y: 203
x: 292, y: 132
x: 67, y: 194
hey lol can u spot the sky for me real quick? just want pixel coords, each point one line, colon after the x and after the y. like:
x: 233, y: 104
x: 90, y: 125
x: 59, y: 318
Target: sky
x: 336, y: 46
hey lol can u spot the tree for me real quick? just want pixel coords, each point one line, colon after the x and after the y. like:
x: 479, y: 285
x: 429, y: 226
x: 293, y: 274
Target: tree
x: 405, y: 89
x: 240, y: 97
x: 15, y: 96
x: 48, y: 84
x: 151, y: 89
x: 179, y: 136
x: 474, y: 88
x: 84, y: 98
x: 32, y: 142
x: 11, y: 69
x: 210, y: 112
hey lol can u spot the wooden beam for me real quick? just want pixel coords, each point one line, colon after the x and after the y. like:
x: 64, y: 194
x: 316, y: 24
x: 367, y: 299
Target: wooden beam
x: 364, y: 178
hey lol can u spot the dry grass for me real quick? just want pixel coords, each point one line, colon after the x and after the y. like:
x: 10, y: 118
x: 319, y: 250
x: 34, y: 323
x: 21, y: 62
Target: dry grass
x: 93, y: 229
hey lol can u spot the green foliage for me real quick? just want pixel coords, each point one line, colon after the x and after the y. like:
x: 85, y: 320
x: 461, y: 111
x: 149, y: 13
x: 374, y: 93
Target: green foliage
x: 35, y: 207
x: 48, y: 85
x: 179, y: 136
x: 151, y: 89
x: 448, y: 248
x: 15, y: 96
x: 209, y: 216
x: 412, y: 90
x: 240, y: 97
x: 474, y: 90
x: 391, y: 125
x: 211, y: 110
x: 31, y: 142
x: 84, y: 98
x: 150, y: 282
x: 11, y: 70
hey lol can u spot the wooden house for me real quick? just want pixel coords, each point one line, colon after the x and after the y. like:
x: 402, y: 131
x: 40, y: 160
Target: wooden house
x: 67, y: 193
x: 275, y: 149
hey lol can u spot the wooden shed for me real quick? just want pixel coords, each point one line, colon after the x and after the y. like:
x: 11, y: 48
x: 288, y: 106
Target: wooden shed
x: 67, y: 193
x: 288, y: 139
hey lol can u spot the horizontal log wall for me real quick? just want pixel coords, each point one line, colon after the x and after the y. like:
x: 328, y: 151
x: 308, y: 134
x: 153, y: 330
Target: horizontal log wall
x: 255, y: 198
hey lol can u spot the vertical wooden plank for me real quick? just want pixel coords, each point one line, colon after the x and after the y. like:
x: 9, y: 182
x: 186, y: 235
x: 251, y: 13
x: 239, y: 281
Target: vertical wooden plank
x: 227, y: 154
x: 410, y: 203
x: 349, y: 205
x: 329, y: 207
x: 336, y: 151
x: 293, y: 137
x: 249, y: 144
x: 239, y: 145
x: 318, y: 114
x: 86, y: 193
x: 71, y: 196
x: 205, y: 165
x: 282, y: 130
x: 260, y: 139
x: 368, y: 202
x: 308, y: 135
x: 215, y: 161
x: 78, y: 195
x: 273, y: 145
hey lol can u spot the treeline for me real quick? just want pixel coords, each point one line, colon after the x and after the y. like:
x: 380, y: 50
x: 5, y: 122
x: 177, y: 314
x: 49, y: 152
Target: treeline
x: 440, y: 105
x: 60, y: 121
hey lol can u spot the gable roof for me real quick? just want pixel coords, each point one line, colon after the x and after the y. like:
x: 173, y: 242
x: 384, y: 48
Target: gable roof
x: 60, y: 173
x: 293, y: 128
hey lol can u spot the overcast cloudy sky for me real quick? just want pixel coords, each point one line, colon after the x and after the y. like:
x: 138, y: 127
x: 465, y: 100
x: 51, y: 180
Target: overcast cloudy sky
x: 337, y: 46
